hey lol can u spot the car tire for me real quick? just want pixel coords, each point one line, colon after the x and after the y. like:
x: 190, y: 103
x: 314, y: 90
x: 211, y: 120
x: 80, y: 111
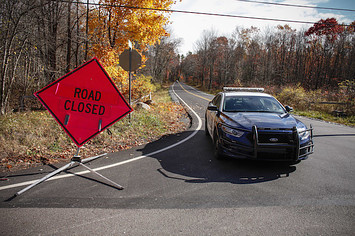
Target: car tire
x: 206, y: 130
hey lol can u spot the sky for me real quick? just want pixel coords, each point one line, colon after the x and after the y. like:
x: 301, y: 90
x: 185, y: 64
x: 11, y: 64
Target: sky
x: 189, y: 27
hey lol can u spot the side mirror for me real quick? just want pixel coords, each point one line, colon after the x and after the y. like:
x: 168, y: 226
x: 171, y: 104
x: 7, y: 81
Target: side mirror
x: 212, y: 107
x: 288, y: 108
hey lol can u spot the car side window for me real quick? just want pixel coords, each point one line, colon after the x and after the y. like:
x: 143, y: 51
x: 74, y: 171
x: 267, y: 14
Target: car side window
x: 217, y: 101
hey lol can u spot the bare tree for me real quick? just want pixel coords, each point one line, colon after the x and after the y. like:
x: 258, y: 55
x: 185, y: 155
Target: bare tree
x: 12, y: 40
x: 36, y: 43
x: 202, y: 48
x: 162, y: 59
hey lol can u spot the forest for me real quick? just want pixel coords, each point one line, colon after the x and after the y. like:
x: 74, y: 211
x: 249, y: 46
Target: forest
x: 321, y: 57
x: 41, y: 40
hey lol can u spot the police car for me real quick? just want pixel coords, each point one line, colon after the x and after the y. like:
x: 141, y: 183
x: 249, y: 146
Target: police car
x: 250, y: 124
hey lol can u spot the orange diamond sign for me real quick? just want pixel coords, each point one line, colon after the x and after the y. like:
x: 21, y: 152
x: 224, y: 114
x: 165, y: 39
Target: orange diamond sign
x: 84, y: 102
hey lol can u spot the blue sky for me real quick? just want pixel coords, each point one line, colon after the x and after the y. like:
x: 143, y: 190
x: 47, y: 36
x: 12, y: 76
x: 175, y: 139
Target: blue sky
x: 189, y: 27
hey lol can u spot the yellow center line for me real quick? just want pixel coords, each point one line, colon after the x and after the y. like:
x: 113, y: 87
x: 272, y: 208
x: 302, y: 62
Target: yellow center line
x: 193, y: 93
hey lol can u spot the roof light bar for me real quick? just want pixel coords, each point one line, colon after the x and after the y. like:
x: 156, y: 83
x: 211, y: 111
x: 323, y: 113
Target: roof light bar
x: 239, y: 89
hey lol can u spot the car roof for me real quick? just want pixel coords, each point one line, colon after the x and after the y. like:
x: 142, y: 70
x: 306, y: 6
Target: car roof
x: 252, y: 94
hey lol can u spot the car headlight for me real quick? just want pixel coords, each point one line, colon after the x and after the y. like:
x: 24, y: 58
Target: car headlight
x: 303, y: 134
x: 234, y: 132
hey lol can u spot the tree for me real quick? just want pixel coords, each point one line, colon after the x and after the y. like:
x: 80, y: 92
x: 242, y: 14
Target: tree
x: 12, y: 40
x: 250, y: 43
x: 323, y: 37
x: 203, y: 49
x: 320, y: 57
x: 115, y: 22
x: 190, y: 67
x: 328, y: 28
x: 222, y: 60
x: 40, y: 40
x: 162, y: 58
x: 36, y: 42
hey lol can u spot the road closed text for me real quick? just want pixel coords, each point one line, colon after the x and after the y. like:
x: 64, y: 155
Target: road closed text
x: 88, y: 106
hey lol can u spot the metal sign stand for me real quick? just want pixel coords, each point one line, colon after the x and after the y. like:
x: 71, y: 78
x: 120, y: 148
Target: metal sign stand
x: 130, y: 77
x: 130, y: 60
x: 76, y: 160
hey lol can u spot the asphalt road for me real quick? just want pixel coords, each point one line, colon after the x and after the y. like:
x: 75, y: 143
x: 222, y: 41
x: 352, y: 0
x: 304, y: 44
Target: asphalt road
x: 174, y: 186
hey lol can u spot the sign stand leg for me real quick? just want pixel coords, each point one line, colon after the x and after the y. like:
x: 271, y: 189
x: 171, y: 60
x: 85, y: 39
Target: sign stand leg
x: 76, y: 160
x: 105, y: 178
x: 130, y: 79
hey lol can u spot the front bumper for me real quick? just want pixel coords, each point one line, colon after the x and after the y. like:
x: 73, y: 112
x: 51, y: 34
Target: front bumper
x: 290, y: 147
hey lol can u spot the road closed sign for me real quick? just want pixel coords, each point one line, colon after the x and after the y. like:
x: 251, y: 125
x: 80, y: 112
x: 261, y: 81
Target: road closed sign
x: 84, y: 102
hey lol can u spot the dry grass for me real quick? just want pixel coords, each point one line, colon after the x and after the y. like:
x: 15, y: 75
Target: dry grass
x: 34, y: 138
x: 314, y: 104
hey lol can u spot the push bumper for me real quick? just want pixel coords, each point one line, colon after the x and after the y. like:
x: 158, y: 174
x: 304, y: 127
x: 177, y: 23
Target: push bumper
x: 293, y: 150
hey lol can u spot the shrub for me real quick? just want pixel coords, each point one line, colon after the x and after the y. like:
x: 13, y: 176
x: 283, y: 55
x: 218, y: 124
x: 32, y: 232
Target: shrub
x: 316, y: 100
x: 347, y: 92
x: 296, y: 97
x: 142, y: 86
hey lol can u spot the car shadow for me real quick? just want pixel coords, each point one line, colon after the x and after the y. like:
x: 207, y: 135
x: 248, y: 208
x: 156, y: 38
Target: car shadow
x: 193, y: 162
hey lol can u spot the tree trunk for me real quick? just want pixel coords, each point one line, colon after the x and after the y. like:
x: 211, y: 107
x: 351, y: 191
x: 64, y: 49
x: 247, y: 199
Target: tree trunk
x: 67, y: 69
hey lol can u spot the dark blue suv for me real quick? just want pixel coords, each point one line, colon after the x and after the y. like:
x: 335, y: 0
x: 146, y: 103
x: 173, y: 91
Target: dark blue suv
x: 248, y: 123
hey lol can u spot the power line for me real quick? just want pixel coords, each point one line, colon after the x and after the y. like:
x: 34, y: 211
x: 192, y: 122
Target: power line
x: 197, y: 13
x: 301, y: 6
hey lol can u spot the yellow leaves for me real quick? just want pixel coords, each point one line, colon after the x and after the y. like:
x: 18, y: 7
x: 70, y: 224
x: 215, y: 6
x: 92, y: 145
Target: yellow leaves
x: 111, y: 27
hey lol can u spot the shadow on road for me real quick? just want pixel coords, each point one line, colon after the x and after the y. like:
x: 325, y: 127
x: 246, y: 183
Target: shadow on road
x: 193, y: 162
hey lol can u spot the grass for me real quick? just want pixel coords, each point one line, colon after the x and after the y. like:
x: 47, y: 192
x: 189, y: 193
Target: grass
x: 309, y: 104
x: 32, y: 138
x: 348, y: 120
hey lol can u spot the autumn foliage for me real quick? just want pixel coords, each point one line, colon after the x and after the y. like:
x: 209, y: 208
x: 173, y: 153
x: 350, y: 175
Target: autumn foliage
x: 114, y: 23
x: 318, y: 58
x: 42, y: 40
x: 329, y: 28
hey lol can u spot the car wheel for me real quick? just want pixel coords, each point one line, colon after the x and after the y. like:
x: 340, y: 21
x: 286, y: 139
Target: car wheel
x: 206, y: 130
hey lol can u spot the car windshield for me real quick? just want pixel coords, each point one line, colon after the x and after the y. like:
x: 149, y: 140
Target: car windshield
x: 252, y: 104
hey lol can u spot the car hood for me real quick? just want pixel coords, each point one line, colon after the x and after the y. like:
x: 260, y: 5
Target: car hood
x: 260, y: 119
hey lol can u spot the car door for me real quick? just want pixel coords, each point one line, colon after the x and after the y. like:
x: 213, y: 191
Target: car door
x: 212, y: 116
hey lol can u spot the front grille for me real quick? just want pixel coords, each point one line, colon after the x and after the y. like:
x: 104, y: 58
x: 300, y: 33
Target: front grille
x: 275, y: 138
x: 271, y: 144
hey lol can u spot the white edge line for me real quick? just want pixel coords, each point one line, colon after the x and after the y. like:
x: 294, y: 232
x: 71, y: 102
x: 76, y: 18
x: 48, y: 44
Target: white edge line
x: 123, y: 162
